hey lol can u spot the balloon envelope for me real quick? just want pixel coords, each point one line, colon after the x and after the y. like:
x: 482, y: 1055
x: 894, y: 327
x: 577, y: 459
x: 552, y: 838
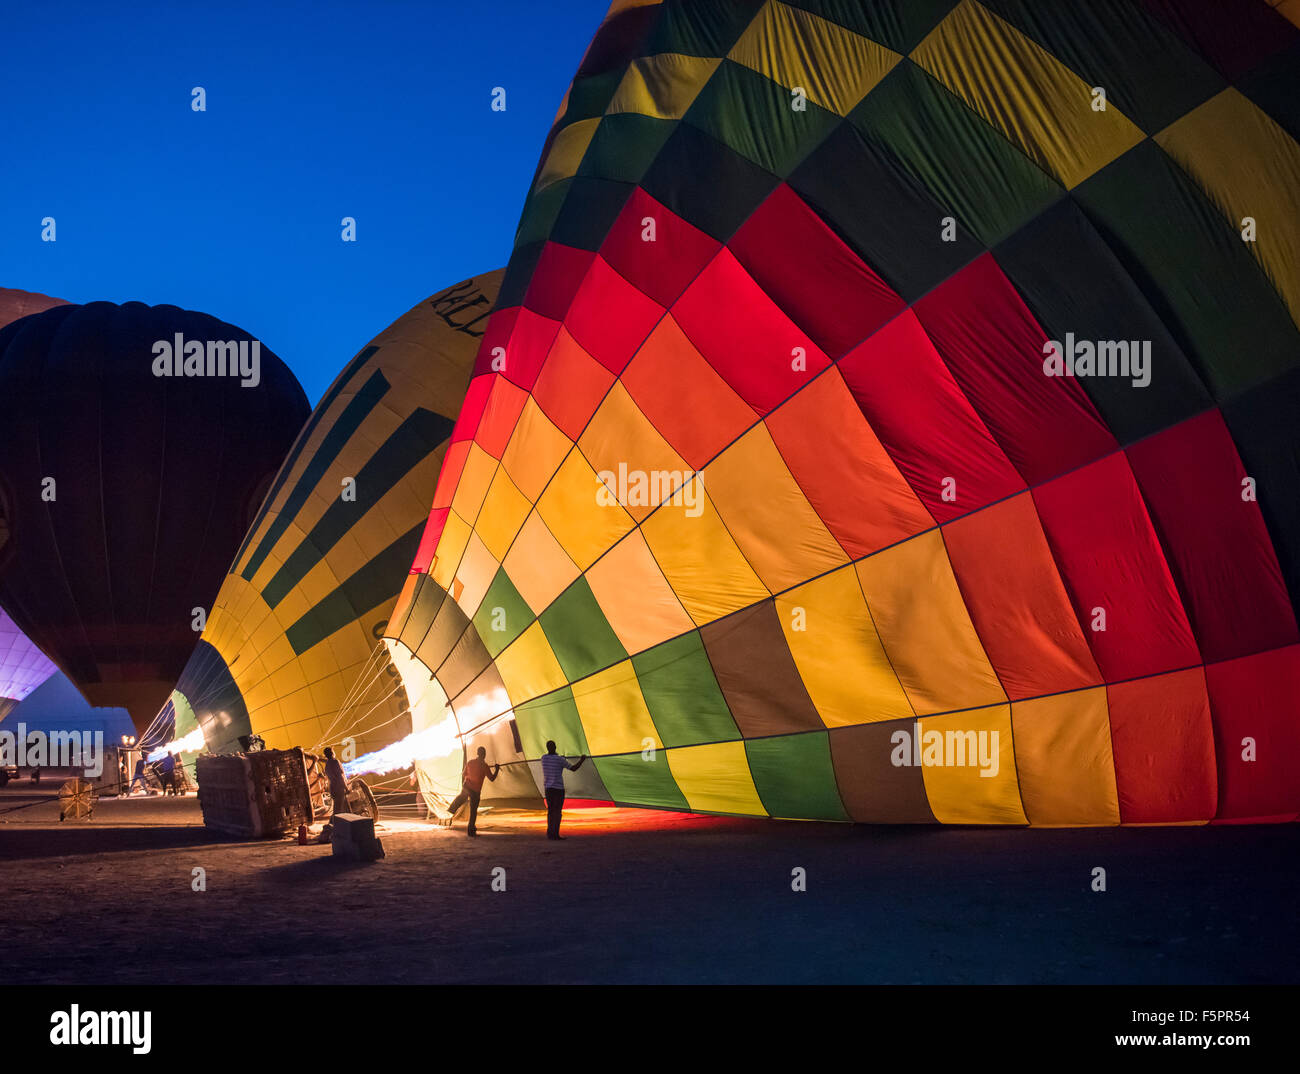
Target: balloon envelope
x: 891, y: 413
x: 125, y: 493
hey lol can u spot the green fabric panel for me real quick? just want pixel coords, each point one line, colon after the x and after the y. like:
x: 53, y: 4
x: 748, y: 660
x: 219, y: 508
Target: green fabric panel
x: 988, y: 185
x: 1267, y: 435
x: 1225, y: 315
x: 1148, y: 72
x: 554, y: 717
x: 1275, y: 86
x: 624, y: 146
x: 540, y: 212
x: 589, y: 212
x: 514, y: 618
x: 735, y: 188
x: 682, y: 694
x: 368, y: 588
x: 519, y: 274
x: 589, y: 97
x: 368, y: 397
x: 409, y: 445
x: 579, y: 633
x: 883, y: 229
x: 1089, y: 294
x: 753, y: 115
x: 632, y: 780
x: 897, y: 24
x: 795, y: 777
x: 700, y: 28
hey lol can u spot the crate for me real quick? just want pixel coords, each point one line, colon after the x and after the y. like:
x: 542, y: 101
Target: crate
x: 254, y: 795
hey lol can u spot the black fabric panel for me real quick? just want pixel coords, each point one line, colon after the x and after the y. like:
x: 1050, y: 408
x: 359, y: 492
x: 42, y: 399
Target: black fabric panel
x: 589, y: 211
x: 1072, y: 282
x: 218, y: 705
x: 1265, y: 424
x: 700, y: 27
x: 624, y: 146
x: 1275, y: 86
x: 736, y: 187
x: 519, y: 274
x: 887, y: 229
x: 897, y: 24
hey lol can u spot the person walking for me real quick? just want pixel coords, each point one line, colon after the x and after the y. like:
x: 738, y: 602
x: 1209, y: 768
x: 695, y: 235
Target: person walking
x: 553, y: 766
x: 476, y: 770
x: 337, y: 780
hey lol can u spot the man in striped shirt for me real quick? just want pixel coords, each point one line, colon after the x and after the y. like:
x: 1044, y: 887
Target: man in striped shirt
x: 553, y: 766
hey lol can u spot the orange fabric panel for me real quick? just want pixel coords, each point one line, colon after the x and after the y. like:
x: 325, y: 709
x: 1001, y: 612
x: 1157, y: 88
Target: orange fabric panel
x: 1063, y: 758
x: 571, y: 385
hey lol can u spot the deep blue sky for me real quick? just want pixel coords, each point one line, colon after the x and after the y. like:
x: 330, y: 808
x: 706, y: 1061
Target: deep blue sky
x: 316, y: 111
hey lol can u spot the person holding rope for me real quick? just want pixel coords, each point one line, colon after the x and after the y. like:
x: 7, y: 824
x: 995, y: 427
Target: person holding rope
x: 476, y: 770
x: 553, y: 766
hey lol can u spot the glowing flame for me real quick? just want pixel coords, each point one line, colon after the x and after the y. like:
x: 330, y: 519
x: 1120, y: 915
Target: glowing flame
x: 191, y: 743
x: 440, y: 740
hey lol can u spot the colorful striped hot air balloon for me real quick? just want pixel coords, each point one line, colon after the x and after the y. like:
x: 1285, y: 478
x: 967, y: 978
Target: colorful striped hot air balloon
x: 891, y: 413
x: 292, y: 651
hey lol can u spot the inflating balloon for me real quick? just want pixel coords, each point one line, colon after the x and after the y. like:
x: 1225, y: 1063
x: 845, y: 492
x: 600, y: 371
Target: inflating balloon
x: 891, y: 414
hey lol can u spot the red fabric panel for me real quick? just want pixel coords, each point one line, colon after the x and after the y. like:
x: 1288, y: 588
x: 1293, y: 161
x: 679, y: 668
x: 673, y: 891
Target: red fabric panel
x: 1218, y: 546
x: 1257, y: 697
x: 529, y: 343
x: 925, y: 421
x: 1233, y: 36
x: 1110, y: 558
x: 453, y: 463
x: 813, y: 276
x: 555, y: 281
x: 500, y: 326
x: 609, y: 317
x: 663, y: 268
x: 684, y: 397
x: 429, y: 540
x: 841, y: 466
x: 1163, y: 743
x: 744, y: 336
x: 571, y: 385
x: 994, y: 348
x: 471, y: 410
x: 499, y: 416
x: 1017, y: 600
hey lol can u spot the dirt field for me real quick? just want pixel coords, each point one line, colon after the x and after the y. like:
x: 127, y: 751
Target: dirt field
x: 638, y: 896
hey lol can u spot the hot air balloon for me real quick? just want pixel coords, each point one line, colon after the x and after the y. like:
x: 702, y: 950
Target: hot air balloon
x: 16, y: 304
x: 139, y: 442
x: 292, y: 652
x: 891, y: 413
x: 23, y: 667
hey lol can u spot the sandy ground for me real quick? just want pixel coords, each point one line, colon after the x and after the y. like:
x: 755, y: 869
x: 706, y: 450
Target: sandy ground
x: 640, y: 896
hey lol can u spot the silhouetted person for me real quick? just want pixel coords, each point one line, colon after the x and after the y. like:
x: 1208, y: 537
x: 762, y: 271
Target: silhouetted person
x: 553, y: 766
x: 167, y: 770
x: 139, y: 777
x: 476, y: 770
x: 337, y: 780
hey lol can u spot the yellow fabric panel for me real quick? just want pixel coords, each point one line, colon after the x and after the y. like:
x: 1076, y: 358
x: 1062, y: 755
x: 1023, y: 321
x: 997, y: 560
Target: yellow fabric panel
x: 480, y: 467
x: 767, y: 513
x: 637, y: 600
x: 701, y: 562
x: 528, y: 666
x: 715, y: 778
x: 504, y: 511
x: 961, y: 793
x: 569, y: 507
x: 451, y: 547
x: 614, y: 714
x: 619, y: 440
x: 1063, y: 754
x: 1248, y: 166
x: 835, y: 67
x: 925, y: 628
x: 838, y: 652
x: 567, y: 151
x: 662, y: 86
x: 1025, y: 92
x: 535, y: 451
x: 537, y: 566
x: 477, y: 569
